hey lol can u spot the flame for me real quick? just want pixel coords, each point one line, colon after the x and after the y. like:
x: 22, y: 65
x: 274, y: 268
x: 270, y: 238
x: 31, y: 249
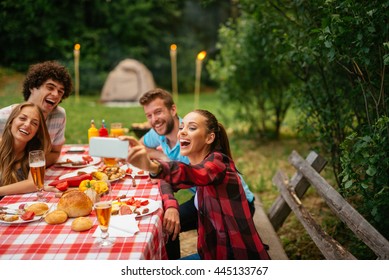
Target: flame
x: 201, y: 55
x: 173, y: 47
x: 77, y: 47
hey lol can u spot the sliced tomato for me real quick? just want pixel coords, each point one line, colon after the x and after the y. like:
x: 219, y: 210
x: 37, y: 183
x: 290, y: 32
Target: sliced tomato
x: 129, y: 171
x: 144, y: 202
x: 141, y: 172
x: 137, y: 203
x: 130, y: 201
x: 28, y: 215
x: 63, y: 186
x: 88, y: 159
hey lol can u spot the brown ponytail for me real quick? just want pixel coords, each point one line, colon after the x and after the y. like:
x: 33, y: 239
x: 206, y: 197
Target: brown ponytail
x: 221, y: 143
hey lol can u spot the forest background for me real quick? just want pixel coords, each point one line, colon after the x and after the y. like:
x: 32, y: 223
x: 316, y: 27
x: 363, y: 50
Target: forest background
x: 322, y: 62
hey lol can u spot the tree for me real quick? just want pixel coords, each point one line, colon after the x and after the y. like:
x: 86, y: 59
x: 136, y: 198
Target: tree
x: 333, y: 56
x: 250, y: 70
x: 108, y: 32
x: 339, y: 55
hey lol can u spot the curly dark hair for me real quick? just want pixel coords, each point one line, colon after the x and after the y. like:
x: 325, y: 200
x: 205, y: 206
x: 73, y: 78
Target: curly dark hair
x: 39, y: 73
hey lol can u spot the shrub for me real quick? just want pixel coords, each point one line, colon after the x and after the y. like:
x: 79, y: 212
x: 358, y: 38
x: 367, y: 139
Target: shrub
x: 365, y: 175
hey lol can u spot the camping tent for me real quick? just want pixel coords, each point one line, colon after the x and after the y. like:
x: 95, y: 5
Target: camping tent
x: 127, y: 82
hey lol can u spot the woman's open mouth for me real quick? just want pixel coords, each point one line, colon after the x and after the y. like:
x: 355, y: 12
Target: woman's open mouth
x: 184, y: 143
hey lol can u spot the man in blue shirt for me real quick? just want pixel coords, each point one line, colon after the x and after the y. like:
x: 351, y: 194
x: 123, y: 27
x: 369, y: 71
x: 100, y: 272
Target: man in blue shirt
x: 161, y: 143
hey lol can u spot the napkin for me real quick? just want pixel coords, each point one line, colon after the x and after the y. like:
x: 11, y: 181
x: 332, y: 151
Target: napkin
x: 120, y: 226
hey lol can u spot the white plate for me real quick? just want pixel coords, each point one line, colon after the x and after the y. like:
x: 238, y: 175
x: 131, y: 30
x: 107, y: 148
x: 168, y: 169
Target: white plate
x: 76, y: 158
x: 87, y: 170
x: 135, y: 170
x: 152, y: 206
x: 15, y: 206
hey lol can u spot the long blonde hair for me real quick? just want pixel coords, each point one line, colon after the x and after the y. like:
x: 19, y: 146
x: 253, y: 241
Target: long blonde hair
x: 8, y: 161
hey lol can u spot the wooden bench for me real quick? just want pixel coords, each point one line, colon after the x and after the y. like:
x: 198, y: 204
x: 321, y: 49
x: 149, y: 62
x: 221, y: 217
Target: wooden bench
x: 289, y: 200
x: 267, y: 233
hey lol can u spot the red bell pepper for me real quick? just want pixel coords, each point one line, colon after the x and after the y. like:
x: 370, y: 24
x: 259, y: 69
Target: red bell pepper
x: 72, y: 181
x: 144, y: 203
x: 62, y: 186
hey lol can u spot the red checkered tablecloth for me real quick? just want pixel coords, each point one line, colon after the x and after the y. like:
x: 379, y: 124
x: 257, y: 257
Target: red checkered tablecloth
x: 41, y: 241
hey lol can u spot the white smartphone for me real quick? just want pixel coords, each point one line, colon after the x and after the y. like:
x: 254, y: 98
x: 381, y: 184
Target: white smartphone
x: 108, y: 147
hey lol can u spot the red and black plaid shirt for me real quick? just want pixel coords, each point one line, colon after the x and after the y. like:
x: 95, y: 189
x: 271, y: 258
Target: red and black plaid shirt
x: 226, y: 229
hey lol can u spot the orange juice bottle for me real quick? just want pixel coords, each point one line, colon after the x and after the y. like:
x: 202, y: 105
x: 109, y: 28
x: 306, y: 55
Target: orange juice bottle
x: 92, y: 131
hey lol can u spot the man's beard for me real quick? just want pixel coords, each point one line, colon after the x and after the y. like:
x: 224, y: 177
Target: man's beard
x: 169, y: 126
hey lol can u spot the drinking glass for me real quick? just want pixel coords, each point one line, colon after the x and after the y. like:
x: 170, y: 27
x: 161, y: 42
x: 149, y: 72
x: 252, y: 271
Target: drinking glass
x: 103, y: 209
x: 117, y: 129
x: 37, y: 164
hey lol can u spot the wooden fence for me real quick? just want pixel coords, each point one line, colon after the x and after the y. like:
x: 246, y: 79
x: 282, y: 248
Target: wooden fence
x: 289, y: 200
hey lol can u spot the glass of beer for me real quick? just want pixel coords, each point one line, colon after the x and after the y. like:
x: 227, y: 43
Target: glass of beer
x: 37, y: 164
x: 103, y: 209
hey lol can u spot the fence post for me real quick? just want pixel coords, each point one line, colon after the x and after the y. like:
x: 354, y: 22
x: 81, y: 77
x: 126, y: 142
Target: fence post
x: 280, y: 210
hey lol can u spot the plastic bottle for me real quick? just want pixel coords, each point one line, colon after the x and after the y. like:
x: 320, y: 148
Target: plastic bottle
x: 92, y: 131
x: 103, y: 131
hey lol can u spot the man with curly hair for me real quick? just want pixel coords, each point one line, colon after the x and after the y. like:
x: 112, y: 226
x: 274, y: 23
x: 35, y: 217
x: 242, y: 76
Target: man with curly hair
x: 46, y: 85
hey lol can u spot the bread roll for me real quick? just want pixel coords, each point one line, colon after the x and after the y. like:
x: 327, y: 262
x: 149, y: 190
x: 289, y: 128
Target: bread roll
x: 82, y: 224
x: 39, y: 208
x: 56, y: 217
x: 75, y: 203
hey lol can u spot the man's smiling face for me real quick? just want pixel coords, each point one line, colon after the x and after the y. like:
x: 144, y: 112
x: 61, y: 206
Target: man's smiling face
x: 159, y: 116
x: 47, y: 96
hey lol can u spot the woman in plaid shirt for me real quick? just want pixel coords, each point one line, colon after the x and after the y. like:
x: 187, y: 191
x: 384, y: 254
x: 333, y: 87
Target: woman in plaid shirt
x: 226, y: 229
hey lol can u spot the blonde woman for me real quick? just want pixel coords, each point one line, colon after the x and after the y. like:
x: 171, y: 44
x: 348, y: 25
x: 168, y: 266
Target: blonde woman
x: 24, y: 131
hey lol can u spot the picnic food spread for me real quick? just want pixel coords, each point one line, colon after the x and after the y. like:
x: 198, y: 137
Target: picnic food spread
x: 113, y: 172
x: 77, y: 195
x: 55, y: 235
x: 123, y: 206
x: 24, y: 212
